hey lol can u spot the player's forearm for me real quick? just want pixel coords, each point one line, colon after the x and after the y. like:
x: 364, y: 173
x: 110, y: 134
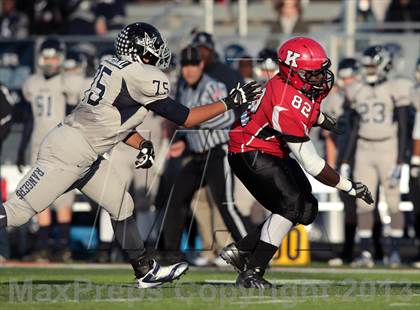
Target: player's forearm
x: 415, y: 157
x: 134, y: 140
x: 313, y: 164
x: 203, y: 113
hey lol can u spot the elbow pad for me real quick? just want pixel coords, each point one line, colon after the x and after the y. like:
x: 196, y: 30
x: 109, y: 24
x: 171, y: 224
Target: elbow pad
x: 306, y: 154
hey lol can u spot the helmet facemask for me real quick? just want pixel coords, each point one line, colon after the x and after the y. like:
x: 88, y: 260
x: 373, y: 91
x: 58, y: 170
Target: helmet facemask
x: 50, y: 61
x: 315, y: 84
x: 376, y: 67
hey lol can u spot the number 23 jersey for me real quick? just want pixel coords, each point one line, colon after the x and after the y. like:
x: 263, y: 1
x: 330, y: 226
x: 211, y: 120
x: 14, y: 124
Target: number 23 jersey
x: 117, y: 102
x: 282, y: 114
x: 376, y: 105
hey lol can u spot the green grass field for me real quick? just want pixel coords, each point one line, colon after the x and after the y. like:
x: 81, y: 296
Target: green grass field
x: 96, y: 287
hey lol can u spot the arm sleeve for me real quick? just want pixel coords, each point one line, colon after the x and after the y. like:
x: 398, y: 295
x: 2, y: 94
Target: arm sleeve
x: 352, y: 142
x: 306, y: 154
x: 169, y: 109
x: 402, y: 119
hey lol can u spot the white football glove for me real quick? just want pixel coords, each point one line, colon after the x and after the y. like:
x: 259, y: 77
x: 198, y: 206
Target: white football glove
x: 146, y: 156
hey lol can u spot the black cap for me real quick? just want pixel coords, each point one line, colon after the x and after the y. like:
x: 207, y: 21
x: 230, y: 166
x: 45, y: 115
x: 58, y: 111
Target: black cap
x: 203, y: 39
x: 190, y: 56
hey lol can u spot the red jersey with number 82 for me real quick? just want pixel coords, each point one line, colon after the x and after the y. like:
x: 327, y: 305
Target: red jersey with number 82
x: 282, y: 114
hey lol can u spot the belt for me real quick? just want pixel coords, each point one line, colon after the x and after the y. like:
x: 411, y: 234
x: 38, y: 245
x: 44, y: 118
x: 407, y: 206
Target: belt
x: 374, y: 140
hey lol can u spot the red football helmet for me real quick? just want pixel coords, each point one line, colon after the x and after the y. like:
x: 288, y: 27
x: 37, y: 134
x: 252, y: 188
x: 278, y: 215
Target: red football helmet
x: 304, y: 64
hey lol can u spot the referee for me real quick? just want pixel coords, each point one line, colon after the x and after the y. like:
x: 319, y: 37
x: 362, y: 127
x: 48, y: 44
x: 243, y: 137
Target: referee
x: 208, y: 163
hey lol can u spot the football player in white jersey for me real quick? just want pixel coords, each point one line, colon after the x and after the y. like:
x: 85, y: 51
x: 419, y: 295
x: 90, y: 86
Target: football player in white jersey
x: 124, y: 89
x: 46, y: 94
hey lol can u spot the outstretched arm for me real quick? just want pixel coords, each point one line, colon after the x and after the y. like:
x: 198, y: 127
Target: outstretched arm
x: 183, y: 116
x: 313, y: 164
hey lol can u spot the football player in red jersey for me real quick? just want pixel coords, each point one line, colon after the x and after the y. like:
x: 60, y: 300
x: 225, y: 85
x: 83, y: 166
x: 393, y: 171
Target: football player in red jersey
x: 274, y: 126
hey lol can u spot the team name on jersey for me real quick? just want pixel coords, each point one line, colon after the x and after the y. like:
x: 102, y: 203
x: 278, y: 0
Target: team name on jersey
x: 32, y: 181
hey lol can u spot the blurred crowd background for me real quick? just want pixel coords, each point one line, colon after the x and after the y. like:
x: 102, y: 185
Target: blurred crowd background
x: 237, y: 41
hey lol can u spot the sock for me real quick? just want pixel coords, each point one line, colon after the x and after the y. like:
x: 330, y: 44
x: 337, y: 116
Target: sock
x: 249, y: 242
x: 274, y: 229
x: 64, y: 233
x: 348, y: 247
x: 141, y: 265
x: 394, y: 244
x: 128, y: 237
x: 377, y: 240
x: 42, y: 238
x: 3, y: 217
x: 365, y: 244
x: 262, y: 255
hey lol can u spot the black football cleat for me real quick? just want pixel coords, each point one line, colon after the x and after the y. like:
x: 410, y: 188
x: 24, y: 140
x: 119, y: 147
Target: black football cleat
x: 252, y: 278
x: 235, y: 257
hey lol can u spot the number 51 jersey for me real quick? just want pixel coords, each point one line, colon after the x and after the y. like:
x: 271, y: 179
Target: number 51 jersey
x: 282, y: 114
x: 117, y: 102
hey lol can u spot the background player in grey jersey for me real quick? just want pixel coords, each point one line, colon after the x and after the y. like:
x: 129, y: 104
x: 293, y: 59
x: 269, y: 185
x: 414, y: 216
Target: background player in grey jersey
x: 74, y: 78
x: 124, y: 89
x: 415, y: 163
x: 380, y: 131
x: 46, y: 93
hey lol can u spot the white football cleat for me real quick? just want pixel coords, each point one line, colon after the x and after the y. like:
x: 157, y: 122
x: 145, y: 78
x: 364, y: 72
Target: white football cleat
x: 364, y: 260
x: 159, y: 275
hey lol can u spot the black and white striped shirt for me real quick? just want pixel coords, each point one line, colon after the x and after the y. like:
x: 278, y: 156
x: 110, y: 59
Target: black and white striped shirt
x: 215, y: 131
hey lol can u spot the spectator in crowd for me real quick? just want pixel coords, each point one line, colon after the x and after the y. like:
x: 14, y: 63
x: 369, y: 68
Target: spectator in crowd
x: 94, y: 17
x: 12, y: 23
x: 45, y: 16
x: 6, y: 103
x: 372, y: 10
x: 213, y: 67
x: 403, y: 11
x: 208, y: 149
x: 289, y: 21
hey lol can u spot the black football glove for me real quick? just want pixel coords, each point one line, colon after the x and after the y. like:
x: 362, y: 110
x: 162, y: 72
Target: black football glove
x: 242, y: 94
x: 362, y: 192
x: 330, y: 124
x: 146, y: 156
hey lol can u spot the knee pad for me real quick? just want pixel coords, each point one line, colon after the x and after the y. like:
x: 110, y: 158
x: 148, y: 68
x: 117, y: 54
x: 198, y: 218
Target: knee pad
x: 17, y: 212
x: 308, y: 210
x: 123, y: 211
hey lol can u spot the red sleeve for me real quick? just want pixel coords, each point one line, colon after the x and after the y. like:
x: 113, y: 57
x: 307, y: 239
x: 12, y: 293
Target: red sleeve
x: 291, y: 128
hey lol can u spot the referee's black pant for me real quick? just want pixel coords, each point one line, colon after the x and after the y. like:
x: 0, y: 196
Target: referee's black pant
x: 211, y: 169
